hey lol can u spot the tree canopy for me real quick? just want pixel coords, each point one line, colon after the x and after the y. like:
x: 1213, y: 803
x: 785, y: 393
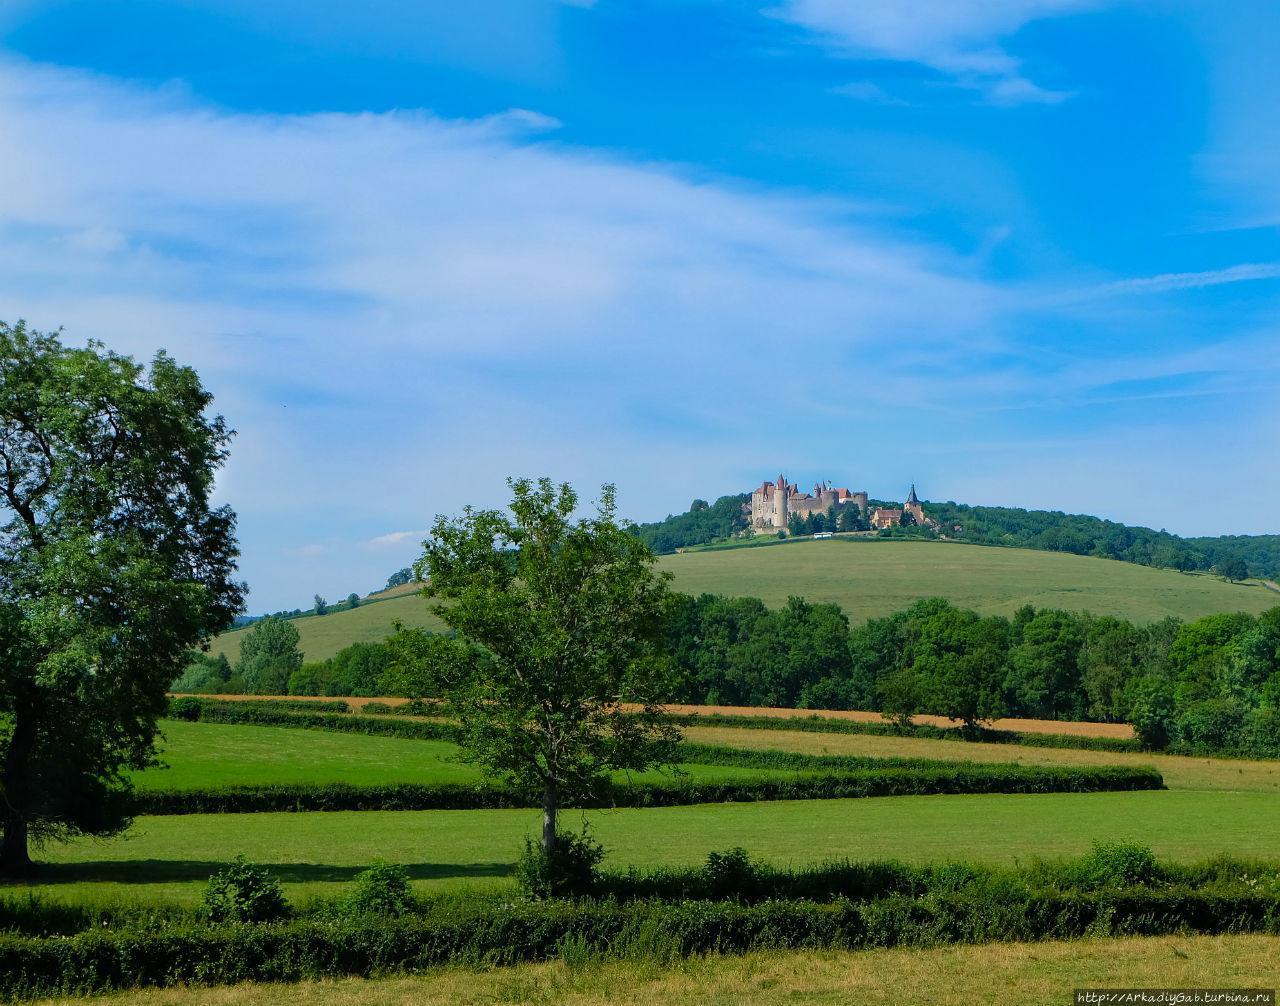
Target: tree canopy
x: 113, y: 566
x: 557, y: 622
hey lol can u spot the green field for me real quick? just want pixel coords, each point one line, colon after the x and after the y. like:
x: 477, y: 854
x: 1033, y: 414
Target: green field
x: 1214, y: 806
x: 220, y: 754
x: 872, y: 578
x: 1026, y: 974
x: 168, y: 858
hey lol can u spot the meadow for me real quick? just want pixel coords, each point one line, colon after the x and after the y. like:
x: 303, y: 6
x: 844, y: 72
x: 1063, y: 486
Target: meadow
x: 1213, y: 806
x: 868, y: 579
x: 216, y: 754
x: 318, y: 854
x: 1034, y: 974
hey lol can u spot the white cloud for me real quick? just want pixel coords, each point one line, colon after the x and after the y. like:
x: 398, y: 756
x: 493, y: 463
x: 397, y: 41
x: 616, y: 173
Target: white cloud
x: 396, y: 539
x: 1172, y: 282
x: 398, y: 310
x: 958, y: 38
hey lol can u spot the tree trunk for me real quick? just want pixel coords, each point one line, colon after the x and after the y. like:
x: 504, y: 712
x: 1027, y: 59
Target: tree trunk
x: 14, y: 857
x: 550, y: 804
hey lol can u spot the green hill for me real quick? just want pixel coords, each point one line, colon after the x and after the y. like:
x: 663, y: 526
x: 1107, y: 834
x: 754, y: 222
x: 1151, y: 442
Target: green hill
x: 870, y: 578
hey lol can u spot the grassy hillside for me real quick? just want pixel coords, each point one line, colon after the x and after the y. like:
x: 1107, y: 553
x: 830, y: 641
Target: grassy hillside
x: 869, y: 579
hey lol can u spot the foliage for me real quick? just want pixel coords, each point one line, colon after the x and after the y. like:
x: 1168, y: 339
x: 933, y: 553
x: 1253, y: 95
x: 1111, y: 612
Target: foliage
x: 114, y: 566
x: 207, y: 673
x: 382, y: 890
x: 983, y: 909
x: 1121, y: 864
x: 701, y: 525
x: 558, y: 621
x: 269, y: 654
x: 1084, y: 535
x: 925, y: 779
x: 187, y: 708
x: 399, y: 578
x: 568, y: 869
x: 243, y: 892
x: 1232, y: 569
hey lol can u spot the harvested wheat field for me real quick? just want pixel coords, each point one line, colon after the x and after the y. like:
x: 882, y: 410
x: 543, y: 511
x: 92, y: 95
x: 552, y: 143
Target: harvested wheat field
x: 1078, y: 729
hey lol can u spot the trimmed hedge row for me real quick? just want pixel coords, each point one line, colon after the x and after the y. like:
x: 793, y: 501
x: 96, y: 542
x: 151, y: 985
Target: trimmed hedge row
x: 265, y: 714
x: 102, y: 961
x: 975, y: 778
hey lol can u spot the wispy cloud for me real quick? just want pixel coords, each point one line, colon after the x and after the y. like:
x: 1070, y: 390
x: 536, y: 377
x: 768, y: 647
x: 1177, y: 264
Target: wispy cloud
x: 869, y: 91
x: 396, y: 539
x: 1171, y: 282
x: 444, y: 302
x: 959, y: 38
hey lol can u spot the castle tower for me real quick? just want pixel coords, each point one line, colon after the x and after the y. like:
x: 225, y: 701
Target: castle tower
x: 780, y: 505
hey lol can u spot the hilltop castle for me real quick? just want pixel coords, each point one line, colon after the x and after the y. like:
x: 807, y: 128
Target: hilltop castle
x: 773, y: 503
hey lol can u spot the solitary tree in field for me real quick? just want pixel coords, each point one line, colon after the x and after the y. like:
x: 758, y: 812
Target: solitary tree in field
x: 1233, y: 569
x: 112, y: 565
x: 557, y: 622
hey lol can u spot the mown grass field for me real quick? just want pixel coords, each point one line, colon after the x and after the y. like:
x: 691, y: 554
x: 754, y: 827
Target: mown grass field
x: 869, y: 579
x: 168, y: 858
x: 1026, y: 974
x: 220, y: 754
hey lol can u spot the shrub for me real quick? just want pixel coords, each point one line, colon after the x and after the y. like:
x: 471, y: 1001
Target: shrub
x: 730, y: 874
x: 1121, y: 864
x: 376, y: 709
x: 243, y: 892
x: 186, y: 708
x: 383, y: 889
x: 568, y: 871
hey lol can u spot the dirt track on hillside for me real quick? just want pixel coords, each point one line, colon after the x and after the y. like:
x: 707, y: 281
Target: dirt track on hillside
x: 1120, y: 730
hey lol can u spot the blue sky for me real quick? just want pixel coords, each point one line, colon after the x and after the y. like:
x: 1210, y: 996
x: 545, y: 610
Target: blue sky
x: 1020, y: 252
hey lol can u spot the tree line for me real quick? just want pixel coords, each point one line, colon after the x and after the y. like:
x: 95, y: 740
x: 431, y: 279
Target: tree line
x: 1213, y: 683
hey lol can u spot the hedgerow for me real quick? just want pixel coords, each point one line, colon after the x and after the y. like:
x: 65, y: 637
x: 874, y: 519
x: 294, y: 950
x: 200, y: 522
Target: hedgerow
x: 680, y: 791
x: 484, y: 934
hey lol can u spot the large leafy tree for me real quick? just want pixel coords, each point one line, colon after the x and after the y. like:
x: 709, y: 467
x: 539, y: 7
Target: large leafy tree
x: 557, y: 621
x: 113, y: 566
x: 269, y: 654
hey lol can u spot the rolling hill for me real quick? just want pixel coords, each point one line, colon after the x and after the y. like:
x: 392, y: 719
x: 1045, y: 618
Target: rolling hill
x: 868, y: 578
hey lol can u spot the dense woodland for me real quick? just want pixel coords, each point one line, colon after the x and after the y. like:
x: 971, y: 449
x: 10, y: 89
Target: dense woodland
x: 1048, y: 530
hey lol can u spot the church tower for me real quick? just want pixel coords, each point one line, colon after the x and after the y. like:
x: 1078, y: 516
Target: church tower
x: 913, y: 507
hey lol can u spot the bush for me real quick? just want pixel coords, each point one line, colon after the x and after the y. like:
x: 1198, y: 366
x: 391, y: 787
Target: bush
x: 243, y: 892
x: 568, y: 871
x: 383, y: 889
x: 376, y: 709
x: 187, y: 708
x: 731, y: 874
x: 1121, y: 864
